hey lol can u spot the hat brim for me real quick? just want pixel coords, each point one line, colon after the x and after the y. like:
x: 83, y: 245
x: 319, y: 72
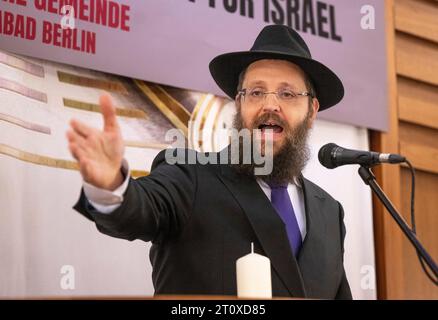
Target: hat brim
x: 226, y: 68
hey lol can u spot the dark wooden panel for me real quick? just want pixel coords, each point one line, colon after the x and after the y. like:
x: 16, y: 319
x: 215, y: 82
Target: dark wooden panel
x: 414, y: 134
x: 420, y: 145
x: 417, y: 17
x: 413, y: 130
x: 415, y: 281
x: 418, y: 102
x: 416, y: 58
x: 387, y: 238
x: 422, y: 157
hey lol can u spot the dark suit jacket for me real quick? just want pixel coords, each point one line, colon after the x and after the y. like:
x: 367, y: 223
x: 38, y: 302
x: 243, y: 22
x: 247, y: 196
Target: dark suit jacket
x: 202, y: 218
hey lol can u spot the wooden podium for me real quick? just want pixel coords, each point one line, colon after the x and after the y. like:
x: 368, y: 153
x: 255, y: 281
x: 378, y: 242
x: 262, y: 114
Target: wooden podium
x: 167, y: 297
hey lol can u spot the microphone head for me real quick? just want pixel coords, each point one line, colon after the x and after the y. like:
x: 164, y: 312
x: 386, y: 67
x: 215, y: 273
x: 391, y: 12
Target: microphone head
x: 325, y: 155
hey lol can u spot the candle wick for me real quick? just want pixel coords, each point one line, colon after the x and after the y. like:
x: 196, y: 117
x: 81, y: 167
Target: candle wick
x: 252, y: 247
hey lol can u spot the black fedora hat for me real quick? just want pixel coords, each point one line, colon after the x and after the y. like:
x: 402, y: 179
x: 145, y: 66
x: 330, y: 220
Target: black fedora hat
x: 284, y: 43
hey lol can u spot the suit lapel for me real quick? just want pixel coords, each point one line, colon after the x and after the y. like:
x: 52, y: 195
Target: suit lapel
x: 267, y: 225
x: 309, y: 259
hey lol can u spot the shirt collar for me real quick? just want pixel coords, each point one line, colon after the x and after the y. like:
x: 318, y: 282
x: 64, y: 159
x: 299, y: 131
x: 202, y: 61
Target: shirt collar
x: 296, y: 182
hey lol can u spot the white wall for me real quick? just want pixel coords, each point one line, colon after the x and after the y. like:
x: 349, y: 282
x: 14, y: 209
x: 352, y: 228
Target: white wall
x: 345, y: 185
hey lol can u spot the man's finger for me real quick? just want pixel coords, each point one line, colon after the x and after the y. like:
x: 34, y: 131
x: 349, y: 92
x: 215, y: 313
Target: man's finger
x: 81, y: 128
x: 108, y: 112
x: 80, y: 141
x: 76, y: 152
x: 73, y: 136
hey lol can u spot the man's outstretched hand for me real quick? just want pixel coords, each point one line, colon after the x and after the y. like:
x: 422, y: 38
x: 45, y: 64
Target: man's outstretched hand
x: 99, y: 153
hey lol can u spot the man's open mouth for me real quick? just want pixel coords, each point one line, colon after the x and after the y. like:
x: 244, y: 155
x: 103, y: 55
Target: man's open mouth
x: 276, y: 128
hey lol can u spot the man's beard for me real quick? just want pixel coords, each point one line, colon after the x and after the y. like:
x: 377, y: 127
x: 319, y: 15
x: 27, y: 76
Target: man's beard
x: 289, y: 161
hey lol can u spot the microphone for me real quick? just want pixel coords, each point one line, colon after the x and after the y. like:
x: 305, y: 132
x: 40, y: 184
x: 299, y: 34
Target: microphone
x: 332, y: 156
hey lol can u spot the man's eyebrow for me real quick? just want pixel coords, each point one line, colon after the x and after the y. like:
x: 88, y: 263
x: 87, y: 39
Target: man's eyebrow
x: 263, y: 83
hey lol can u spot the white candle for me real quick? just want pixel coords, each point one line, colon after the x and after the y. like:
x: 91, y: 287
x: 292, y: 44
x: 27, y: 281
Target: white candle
x: 253, y: 273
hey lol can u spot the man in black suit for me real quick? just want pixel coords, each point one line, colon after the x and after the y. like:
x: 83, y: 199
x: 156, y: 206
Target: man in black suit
x: 201, y: 218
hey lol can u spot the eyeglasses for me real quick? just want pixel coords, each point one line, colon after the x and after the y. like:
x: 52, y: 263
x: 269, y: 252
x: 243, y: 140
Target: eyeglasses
x: 257, y: 95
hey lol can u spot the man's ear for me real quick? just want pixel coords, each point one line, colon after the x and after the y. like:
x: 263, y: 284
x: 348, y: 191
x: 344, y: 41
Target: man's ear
x: 237, y: 101
x: 315, y: 109
x: 315, y: 105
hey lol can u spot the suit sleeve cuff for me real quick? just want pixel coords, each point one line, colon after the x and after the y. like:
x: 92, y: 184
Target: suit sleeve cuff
x: 106, y: 201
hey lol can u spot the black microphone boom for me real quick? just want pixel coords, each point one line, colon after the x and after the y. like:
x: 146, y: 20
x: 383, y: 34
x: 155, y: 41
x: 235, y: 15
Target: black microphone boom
x: 332, y: 156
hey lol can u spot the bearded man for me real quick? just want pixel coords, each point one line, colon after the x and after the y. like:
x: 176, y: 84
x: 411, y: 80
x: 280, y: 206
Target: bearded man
x: 202, y: 218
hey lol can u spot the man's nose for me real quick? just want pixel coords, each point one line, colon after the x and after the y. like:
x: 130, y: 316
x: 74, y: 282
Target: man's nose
x: 270, y: 103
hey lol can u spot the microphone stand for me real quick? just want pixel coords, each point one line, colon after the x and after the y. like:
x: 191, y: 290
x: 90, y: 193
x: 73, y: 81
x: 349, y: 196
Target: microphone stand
x: 369, y: 179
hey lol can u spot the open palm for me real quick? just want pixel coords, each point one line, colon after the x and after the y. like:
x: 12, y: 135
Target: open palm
x: 99, y: 152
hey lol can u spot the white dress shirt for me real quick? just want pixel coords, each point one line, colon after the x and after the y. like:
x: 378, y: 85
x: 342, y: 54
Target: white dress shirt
x: 296, y: 197
x: 106, y: 201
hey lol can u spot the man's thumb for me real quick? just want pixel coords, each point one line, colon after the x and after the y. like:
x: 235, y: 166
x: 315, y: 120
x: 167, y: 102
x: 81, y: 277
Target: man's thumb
x: 108, y: 112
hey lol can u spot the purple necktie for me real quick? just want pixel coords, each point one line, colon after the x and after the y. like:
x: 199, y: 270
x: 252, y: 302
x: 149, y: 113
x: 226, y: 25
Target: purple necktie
x: 281, y: 201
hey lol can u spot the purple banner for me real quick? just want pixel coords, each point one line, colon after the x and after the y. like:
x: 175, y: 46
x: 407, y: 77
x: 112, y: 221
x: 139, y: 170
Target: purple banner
x: 172, y: 41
